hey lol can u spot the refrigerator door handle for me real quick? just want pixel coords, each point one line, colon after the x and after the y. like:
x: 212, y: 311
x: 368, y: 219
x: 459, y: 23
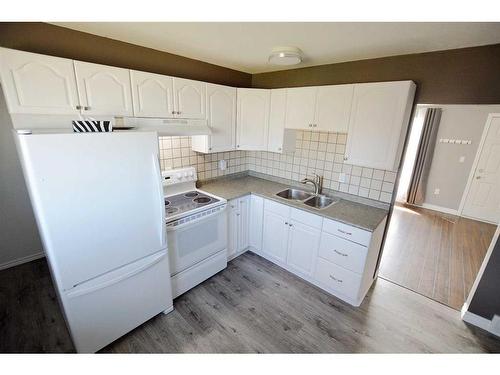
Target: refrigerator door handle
x: 156, y: 166
x: 80, y: 291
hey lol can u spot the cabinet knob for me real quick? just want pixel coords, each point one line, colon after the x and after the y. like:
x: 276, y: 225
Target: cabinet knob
x: 286, y: 222
x: 173, y: 112
x: 290, y: 225
x: 78, y: 107
x: 86, y: 108
x: 237, y: 214
x: 238, y: 146
x: 279, y: 148
x: 314, y: 125
x: 178, y: 112
x: 210, y: 148
x: 310, y: 125
x: 346, y: 157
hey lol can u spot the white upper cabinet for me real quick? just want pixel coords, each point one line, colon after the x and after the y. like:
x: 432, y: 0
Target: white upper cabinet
x: 152, y: 94
x: 300, y: 107
x: 378, y: 124
x: 104, y: 90
x: 279, y: 139
x: 189, y: 98
x: 38, y: 84
x: 325, y: 108
x: 252, y: 119
x: 333, y: 108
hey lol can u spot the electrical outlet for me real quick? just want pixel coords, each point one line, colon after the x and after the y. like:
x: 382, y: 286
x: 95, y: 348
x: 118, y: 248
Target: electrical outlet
x: 437, y: 191
x: 222, y: 165
x: 342, y: 177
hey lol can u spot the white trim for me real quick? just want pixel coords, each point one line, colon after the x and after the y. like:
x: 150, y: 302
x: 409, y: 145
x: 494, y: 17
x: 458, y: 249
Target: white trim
x: 480, y: 322
x: 475, y: 163
x: 481, y: 220
x: 17, y: 262
x: 471, y: 317
x: 445, y: 210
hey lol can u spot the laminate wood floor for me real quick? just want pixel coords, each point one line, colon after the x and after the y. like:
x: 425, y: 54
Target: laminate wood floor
x: 434, y: 254
x: 252, y: 306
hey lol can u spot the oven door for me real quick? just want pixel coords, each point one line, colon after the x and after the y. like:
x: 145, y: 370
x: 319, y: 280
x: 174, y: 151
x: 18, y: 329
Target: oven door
x: 196, y: 237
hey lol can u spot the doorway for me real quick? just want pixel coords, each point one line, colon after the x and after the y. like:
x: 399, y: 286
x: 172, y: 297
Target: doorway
x: 431, y: 247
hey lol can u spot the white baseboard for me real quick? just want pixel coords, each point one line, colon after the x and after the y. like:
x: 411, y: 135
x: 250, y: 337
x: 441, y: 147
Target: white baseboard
x: 445, y: 210
x: 492, y: 326
x: 17, y: 262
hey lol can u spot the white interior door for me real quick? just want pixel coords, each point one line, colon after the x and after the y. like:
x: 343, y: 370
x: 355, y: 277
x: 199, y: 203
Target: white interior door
x: 104, y: 90
x: 221, y: 114
x: 189, y: 98
x: 152, y: 94
x: 483, y: 198
x: 38, y: 84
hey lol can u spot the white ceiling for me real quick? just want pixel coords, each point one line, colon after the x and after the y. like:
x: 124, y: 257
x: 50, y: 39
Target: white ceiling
x: 246, y: 46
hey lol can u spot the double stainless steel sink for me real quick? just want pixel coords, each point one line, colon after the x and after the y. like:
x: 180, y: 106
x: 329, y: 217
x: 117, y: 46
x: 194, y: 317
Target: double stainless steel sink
x: 311, y: 200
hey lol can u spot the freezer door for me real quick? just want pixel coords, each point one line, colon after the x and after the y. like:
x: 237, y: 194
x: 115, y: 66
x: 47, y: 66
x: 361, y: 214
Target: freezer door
x: 98, y: 200
x: 100, y: 311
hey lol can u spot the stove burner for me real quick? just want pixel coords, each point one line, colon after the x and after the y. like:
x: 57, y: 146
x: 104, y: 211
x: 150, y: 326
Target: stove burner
x: 202, y: 200
x: 191, y: 194
x: 167, y: 203
x: 172, y: 210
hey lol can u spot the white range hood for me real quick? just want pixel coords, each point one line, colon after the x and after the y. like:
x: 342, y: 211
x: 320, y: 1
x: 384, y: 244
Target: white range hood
x: 169, y: 127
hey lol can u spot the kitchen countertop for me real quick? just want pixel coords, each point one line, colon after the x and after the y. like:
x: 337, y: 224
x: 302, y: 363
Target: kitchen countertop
x: 353, y: 213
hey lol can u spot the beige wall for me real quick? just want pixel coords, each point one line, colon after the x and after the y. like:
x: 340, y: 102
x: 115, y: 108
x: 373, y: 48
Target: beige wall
x: 446, y: 172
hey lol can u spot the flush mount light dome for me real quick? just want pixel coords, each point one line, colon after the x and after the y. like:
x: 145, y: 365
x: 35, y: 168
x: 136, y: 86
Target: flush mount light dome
x: 285, y: 56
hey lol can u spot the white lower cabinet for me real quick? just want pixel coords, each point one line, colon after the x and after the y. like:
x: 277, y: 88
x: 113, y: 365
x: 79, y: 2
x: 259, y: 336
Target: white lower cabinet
x: 238, y: 226
x: 337, y: 257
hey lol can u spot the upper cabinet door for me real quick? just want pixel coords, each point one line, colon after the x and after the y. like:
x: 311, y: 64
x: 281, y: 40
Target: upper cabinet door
x: 378, y: 124
x: 104, y: 90
x: 221, y: 114
x: 38, y: 84
x: 277, y: 120
x: 252, y: 119
x: 333, y: 108
x: 189, y: 98
x: 152, y: 94
x: 300, y: 106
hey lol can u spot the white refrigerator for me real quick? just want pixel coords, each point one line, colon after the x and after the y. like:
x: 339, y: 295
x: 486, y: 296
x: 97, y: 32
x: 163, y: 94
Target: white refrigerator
x: 99, y: 206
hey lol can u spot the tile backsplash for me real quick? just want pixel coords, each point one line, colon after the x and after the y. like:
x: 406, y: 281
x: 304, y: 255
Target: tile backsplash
x: 316, y: 152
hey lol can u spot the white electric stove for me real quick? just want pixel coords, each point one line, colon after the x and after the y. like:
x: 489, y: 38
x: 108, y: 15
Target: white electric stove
x: 196, y: 230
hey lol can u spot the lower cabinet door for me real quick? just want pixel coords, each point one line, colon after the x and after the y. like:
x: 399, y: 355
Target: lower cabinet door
x: 244, y: 216
x: 233, y: 227
x: 275, y: 236
x: 303, y: 244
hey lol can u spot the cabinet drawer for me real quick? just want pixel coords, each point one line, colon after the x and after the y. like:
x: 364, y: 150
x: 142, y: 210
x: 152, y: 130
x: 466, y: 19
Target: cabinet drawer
x: 342, y: 252
x: 307, y: 218
x: 277, y: 208
x: 337, y: 278
x: 348, y: 232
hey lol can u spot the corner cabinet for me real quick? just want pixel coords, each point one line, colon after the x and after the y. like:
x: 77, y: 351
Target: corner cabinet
x: 38, y: 84
x: 103, y: 90
x: 238, y: 225
x: 152, y: 94
x: 378, y: 123
x: 221, y: 118
x: 252, y: 119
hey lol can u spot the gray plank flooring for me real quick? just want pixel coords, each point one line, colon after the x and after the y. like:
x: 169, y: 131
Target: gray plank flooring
x: 253, y: 306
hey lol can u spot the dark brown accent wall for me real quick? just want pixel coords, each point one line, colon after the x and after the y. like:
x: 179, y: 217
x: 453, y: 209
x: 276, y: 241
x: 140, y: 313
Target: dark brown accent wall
x: 486, y: 300
x: 460, y: 76
x: 63, y: 42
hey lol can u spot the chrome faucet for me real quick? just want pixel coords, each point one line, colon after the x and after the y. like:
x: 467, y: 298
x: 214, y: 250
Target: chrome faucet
x: 317, y: 182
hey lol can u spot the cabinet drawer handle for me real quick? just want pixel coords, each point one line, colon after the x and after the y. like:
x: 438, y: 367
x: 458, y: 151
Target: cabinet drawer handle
x: 78, y: 107
x: 338, y: 252
x: 344, y: 232
x: 335, y: 279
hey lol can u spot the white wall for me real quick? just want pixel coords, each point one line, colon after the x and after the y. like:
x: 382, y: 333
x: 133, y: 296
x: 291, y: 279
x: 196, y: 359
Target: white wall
x: 19, y: 239
x: 447, y: 174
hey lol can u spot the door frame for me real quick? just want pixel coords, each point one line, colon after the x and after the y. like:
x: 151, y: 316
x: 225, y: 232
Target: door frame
x: 472, y: 172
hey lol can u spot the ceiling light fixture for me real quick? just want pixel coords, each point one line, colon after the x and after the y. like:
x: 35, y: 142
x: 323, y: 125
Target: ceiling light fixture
x: 285, y: 56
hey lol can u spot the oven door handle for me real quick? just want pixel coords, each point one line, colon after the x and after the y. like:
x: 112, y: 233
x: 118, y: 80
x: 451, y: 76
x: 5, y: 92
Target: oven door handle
x: 197, y: 220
